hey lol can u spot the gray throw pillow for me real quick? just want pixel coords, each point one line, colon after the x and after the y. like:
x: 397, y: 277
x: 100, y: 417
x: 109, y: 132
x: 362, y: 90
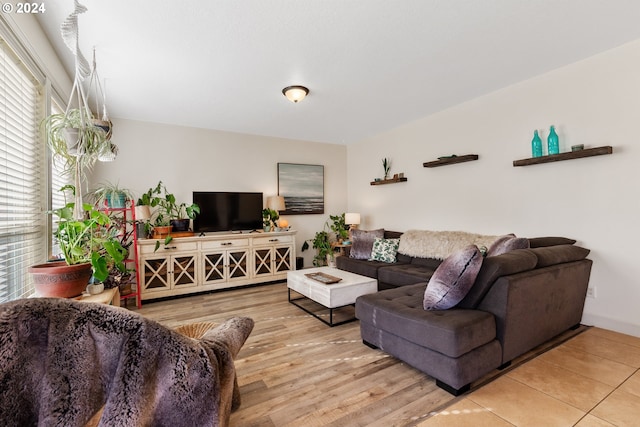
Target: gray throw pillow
x: 507, y: 244
x: 453, y: 279
x: 362, y: 242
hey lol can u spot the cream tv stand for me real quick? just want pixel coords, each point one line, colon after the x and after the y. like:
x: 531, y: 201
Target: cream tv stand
x: 214, y: 261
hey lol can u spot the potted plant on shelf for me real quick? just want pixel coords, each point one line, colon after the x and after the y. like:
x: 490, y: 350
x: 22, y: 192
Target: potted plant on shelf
x: 269, y: 218
x: 167, y: 211
x: 89, y: 246
x: 112, y: 195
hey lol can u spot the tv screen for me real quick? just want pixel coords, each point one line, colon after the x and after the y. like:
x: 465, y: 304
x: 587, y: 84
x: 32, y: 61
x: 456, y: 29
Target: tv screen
x: 227, y: 211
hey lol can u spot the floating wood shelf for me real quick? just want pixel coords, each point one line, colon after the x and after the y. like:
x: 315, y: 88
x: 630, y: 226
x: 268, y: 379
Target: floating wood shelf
x: 450, y: 160
x: 589, y: 152
x: 389, y: 181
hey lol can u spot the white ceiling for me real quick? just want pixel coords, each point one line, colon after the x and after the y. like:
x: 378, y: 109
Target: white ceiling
x: 371, y: 65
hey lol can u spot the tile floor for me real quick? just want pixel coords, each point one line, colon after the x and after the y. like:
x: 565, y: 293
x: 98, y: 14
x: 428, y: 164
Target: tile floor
x: 591, y: 380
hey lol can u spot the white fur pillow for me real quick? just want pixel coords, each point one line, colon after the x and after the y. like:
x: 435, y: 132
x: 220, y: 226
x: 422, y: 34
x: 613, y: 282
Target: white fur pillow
x: 439, y: 244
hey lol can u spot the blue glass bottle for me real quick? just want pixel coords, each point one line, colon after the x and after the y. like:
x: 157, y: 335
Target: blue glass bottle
x: 553, y: 146
x: 536, y: 145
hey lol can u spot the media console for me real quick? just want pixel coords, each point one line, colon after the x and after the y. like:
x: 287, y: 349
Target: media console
x: 214, y: 261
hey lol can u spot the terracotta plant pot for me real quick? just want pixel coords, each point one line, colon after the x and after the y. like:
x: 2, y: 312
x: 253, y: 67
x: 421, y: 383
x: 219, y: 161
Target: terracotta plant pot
x: 57, y: 279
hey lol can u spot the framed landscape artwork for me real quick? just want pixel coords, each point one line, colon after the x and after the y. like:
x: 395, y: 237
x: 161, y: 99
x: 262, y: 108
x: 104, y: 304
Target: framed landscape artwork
x: 302, y: 187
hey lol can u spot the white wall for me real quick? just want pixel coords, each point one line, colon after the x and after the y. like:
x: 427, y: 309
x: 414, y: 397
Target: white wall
x: 596, y: 200
x: 189, y: 159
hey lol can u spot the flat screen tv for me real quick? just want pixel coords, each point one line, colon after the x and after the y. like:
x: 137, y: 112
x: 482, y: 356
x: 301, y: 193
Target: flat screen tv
x: 227, y: 211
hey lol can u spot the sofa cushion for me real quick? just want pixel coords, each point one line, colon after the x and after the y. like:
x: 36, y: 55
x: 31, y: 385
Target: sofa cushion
x: 399, y: 311
x: 362, y: 267
x: 538, y: 242
x: 404, y: 274
x: 559, y: 254
x: 384, y: 250
x: 362, y: 242
x: 453, y: 279
x: 507, y: 244
x: 493, y: 267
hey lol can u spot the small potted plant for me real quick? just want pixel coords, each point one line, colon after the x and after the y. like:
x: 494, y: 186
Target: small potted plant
x: 89, y: 246
x: 386, y: 165
x: 269, y: 218
x: 339, y: 227
x: 322, y: 243
x: 112, y: 195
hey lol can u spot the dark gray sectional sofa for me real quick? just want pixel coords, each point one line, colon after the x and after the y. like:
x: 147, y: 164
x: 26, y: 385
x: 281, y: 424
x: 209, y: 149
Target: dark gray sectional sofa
x: 519, y: 300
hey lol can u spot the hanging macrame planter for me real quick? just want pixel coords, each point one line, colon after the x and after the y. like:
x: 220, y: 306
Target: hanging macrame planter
x: 71, y: 135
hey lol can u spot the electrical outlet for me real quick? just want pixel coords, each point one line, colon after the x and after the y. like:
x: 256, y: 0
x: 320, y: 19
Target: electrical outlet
x: 591, y: 292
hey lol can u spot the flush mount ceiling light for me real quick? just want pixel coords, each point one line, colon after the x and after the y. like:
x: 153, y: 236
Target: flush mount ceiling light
x: 295, y: 93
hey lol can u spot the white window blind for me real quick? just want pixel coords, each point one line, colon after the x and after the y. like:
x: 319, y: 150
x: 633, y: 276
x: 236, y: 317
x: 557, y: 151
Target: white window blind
x: 23, y: 239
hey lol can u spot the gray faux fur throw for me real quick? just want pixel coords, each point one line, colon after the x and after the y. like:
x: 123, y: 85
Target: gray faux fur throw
x: 61, y: 361
x: 439, y: 244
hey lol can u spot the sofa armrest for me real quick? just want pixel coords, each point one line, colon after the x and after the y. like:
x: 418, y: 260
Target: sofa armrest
x: 535, y: 306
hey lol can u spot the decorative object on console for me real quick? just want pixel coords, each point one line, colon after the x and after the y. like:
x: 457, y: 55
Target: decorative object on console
x: 302, y: 187
x: 453, y: 279
x: 269, y: 217
x: 536, y: 145
x: 384, y: 250
x: 553, y: 145
x: 295, y: 93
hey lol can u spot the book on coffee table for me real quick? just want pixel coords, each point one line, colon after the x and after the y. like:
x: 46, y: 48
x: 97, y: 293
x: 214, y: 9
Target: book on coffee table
x: 323, y: 278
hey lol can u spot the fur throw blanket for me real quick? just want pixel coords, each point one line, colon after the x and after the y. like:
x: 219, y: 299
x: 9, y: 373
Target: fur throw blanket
x: 439, y: 244
x: 61, y: 361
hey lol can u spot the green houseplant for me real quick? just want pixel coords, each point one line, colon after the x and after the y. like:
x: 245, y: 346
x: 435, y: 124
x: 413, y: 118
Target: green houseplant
x: 339, y: 227
x: 76, y: 144
x: 167, y: 211
x: 111, y: 194
x: 335, y: 230
x: 269, y: 218
x: 322, y: 243
x: 89, y: 246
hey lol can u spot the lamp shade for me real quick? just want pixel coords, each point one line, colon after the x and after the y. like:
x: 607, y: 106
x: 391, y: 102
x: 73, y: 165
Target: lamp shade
x: 352, y: 218
x: 295, y: 93
x: 276, y: 203
x: 143, y: 213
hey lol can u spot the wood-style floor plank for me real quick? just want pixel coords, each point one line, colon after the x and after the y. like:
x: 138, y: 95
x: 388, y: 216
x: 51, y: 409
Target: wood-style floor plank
x: 296, y: 371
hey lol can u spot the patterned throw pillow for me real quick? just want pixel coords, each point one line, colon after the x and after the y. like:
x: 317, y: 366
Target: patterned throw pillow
x: 453, y: 279
x: 362, y: 242
x: 384, y: 250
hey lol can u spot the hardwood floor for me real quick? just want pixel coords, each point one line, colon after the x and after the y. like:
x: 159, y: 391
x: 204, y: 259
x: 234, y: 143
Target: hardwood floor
x: 296, y: 371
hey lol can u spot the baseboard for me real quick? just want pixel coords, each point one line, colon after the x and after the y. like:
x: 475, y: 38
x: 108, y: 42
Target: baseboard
x: 611, y: 324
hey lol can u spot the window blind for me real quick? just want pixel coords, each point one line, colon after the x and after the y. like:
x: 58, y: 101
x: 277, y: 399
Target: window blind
x: 23, y: 239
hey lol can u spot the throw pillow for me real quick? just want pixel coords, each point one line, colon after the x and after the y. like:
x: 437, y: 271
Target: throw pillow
x: 384, y: 250
x: 507, y: 244
x: 453, y: 279
x: 362, y: 242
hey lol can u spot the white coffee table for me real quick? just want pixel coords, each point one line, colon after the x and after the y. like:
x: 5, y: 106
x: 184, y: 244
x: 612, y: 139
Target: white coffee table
x: 331, y: 296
